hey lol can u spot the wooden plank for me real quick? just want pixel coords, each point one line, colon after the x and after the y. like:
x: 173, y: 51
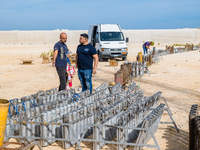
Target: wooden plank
x: 27, y: 62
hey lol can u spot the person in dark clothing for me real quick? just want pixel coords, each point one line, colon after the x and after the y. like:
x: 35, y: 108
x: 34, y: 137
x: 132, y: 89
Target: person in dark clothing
x: 60, y: 60
x: 146, y: 46
x: 84, y: 62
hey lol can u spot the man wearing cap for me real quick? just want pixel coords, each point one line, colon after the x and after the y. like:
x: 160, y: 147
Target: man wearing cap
x: 84, y: 62
x: 60, y: 60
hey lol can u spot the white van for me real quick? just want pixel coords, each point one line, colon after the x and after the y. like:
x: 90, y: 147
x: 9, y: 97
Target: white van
x: 108, y: 40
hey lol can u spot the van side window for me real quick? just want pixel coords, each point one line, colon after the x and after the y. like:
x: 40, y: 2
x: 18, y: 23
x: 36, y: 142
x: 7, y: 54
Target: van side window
x: 97, y: 38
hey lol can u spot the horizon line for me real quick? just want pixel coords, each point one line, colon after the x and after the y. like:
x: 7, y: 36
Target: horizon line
x: 87, y: 29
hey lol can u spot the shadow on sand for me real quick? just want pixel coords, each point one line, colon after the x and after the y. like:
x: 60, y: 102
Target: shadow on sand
x: 176, y: 141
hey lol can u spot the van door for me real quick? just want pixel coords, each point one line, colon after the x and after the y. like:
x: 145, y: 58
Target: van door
x: 90, y: 32
x: 93, y: 36
x: 97, y: 44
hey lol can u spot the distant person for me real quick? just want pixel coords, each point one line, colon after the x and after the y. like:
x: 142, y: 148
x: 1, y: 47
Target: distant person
x: 84, y: 62
x: 146, y: 46
x: 60, y: 60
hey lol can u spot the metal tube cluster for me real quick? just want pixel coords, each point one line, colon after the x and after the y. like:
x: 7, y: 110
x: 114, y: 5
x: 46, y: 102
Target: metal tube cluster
x: 194, y: 128
x: 70, y: 117
x: 151, y: 122
x: 131, y: 70
x: 138, y: 69
x: 172, y: 50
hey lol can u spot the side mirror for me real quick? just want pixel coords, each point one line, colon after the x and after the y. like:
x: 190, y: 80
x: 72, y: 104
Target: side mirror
x: 127, y: 39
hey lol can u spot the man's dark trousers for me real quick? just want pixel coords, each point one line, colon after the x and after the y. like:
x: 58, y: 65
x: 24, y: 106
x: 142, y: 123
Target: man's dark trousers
x: 61, y: 70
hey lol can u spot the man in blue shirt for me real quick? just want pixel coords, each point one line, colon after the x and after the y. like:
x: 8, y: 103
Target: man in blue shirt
x: 146, y: 46
x: 60, y: 60
x: 84, y: 62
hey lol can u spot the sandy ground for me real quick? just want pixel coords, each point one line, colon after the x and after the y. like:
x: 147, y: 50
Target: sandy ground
x: 176, y: 76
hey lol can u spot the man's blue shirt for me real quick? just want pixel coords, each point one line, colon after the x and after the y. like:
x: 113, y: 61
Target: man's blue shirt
x: 85, y: 58
x: 61, y: 59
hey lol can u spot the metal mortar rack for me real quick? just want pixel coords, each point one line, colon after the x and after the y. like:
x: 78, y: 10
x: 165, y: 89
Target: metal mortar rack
x: 71, y: 117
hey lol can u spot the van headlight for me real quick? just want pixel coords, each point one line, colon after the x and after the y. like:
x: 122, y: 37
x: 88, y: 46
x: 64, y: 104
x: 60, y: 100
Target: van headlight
x: 125, y: 49
x: 105, y: 49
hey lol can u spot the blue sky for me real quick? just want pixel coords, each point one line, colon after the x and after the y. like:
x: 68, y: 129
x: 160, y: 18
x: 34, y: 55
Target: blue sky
x: 79, y: 14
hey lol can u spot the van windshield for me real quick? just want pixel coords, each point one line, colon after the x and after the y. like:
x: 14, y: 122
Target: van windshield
x: 111, y: 36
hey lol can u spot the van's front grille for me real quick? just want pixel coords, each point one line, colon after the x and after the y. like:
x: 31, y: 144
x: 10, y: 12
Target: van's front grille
x: 115, y: 49
x: 115, y: 53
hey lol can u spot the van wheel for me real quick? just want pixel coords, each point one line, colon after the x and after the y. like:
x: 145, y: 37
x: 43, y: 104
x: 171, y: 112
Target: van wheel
x: 100, y: 58
x: 124, y: 58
